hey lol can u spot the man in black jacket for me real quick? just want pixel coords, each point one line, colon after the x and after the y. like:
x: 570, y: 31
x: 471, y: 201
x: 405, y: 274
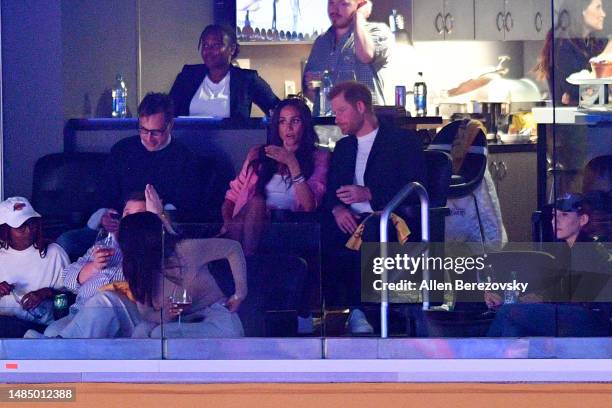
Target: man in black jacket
x: 368, y: 168
x: 154, y: 157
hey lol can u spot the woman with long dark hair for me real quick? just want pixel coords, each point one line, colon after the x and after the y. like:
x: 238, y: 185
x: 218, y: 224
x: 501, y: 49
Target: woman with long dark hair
x: 30, y: 269
x: 289, y: 173
x: 156, y: 266
x: 217, y: 88
x: 570, y: 46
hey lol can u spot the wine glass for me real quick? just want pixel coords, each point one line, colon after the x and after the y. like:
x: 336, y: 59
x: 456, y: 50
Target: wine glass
x: 104, y: 239
x: 180, y: 299
x: 486, y: 276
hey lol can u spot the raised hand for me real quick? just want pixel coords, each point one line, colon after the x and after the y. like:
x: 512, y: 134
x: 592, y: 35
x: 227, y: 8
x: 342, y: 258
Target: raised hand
x: 281, y: 155
x: 153, y: 202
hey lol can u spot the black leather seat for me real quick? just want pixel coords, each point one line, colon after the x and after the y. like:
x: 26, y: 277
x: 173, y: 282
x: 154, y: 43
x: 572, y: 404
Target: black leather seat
x: 439, y: 171
x: 216, y: 172
x: 65, y: 188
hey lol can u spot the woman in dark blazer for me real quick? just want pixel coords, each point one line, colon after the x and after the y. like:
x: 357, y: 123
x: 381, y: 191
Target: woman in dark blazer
x: 218, y: 88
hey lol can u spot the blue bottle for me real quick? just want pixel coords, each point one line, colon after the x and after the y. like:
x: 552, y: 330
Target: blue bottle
x: 420, y: 96
x: 326, y: 87
x: 119, y: 98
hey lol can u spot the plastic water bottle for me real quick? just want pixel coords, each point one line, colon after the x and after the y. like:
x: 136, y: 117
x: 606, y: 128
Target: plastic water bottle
x: 393, y: 21
x: 420, y: 96
x: 511, y: 296
x: 119, y: 98
x: 326, y: 87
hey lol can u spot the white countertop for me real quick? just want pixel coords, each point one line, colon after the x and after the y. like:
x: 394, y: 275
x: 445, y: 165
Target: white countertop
x: 571, y: 115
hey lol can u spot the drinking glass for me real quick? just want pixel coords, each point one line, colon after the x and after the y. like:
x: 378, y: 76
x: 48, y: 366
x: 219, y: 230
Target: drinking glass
x: 181, y: 299
x: 486, y: 276
x: 104, y: 239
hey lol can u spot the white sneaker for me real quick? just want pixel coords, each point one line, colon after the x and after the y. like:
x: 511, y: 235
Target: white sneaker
x: 33, y: 334
x: 305, y: 325
x: 358, y: 324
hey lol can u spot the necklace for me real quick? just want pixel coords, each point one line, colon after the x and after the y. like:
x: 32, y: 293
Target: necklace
x: 214, y: 90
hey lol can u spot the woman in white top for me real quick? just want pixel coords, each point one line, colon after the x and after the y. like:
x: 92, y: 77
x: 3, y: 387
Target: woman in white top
x: 30, y: 269
x: 290, y: 173
x: 217, y: 88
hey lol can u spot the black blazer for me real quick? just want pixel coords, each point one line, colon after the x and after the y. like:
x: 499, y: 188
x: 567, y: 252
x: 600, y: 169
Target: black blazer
x: 395, y: 160
x: 246, y: 87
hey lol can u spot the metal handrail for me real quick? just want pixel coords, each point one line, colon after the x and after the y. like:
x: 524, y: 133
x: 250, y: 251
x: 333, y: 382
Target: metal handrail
x: 384, y: 238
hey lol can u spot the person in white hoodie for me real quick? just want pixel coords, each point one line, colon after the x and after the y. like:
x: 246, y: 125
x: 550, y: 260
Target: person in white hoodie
x: 30, y: 269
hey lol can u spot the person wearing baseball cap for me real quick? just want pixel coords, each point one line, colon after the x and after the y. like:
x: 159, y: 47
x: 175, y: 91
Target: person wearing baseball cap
x: 584, y: 308
x: 30, y: 269
x: 569, y: 218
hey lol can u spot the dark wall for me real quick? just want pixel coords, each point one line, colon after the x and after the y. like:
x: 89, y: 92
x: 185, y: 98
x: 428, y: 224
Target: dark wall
x: 169, y: 39
x: 60, y: 58
x: 32, y: 93
x: 99, y: 41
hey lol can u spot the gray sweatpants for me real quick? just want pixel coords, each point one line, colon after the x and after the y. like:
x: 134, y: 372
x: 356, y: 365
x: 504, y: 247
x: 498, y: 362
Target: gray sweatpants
x: 214, y: 321
x: 106, y: 315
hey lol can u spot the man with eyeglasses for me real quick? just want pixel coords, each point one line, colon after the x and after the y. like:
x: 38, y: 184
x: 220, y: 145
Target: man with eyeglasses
x: 154, y: 158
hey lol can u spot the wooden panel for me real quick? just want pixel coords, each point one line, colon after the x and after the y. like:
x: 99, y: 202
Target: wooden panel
x: 337, y: 395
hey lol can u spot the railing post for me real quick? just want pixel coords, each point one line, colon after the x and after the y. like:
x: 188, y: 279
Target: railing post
x: 384, y: 238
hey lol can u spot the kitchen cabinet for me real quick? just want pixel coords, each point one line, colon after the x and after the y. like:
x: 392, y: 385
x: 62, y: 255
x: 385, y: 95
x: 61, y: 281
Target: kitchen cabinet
x: 484, y: 20
x: 512, y: 20
x: 531, y: 19
x: 442, y: 20
x: 514, y: 175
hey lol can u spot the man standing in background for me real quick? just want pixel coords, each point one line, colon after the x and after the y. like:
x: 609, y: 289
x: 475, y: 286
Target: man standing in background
x: 352, y: 49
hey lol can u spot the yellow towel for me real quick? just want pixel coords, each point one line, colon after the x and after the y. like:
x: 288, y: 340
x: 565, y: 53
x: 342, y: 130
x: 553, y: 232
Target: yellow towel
x: 120, y: 287
x: 466, y: 134
x: 403, y: 232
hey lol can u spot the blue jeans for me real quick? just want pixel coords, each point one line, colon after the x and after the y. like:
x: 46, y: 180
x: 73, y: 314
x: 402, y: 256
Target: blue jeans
x: 547, y: 319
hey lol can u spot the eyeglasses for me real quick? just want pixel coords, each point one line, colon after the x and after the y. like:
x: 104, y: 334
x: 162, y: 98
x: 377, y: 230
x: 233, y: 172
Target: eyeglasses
x: 152, y: 132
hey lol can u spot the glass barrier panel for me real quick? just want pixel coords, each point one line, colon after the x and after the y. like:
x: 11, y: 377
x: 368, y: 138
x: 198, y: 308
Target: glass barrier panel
x: 87, y: 301
x: 267, y: 285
